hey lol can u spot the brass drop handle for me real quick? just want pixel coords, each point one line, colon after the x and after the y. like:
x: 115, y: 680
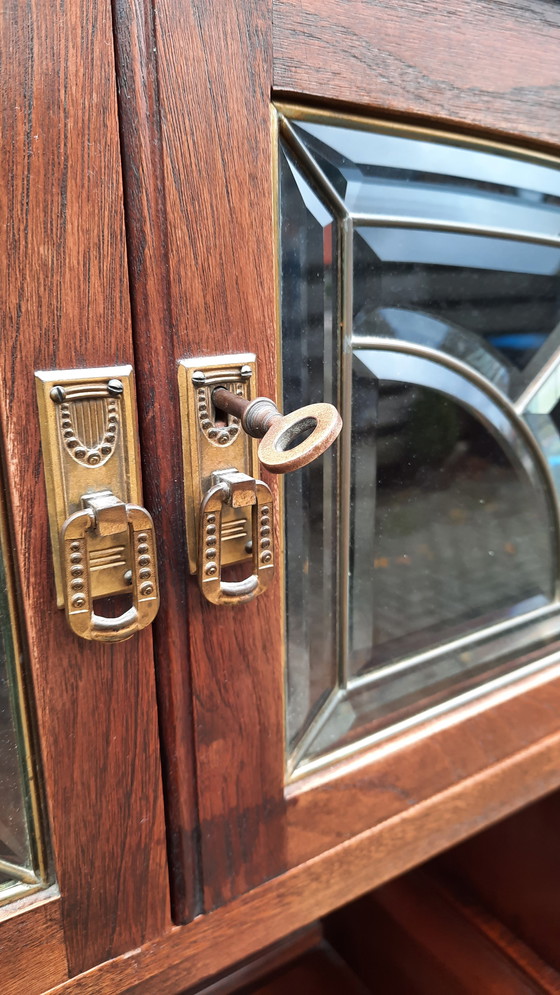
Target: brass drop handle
x: 261, y: 419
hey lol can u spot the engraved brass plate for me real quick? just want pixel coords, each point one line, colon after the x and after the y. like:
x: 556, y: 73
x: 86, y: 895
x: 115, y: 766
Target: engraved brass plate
x: 89, y: 438
x: 214, y: 442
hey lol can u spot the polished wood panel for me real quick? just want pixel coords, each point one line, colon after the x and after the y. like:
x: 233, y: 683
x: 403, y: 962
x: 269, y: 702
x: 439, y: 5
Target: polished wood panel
x: 464, y: 63
x: 156, y: 355
x: 414, y: 937
x: 239, y: 929
x: 319, y: 972
x: 249, y: 972
x: 64, y: 294
x: 502, y: 731
x: 514, y: 870
x: 32, y: 952
x: 213, y: 261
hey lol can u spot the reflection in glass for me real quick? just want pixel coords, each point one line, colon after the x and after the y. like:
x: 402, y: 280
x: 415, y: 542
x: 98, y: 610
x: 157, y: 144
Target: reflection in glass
x: 19, y: 856
x: 459, y: 539
x: 310, y: 364
x: 439, y: 568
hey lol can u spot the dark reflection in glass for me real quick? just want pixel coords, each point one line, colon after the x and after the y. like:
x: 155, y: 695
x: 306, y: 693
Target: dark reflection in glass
x: 504, y: 295
x: 458, y: 538
x: 14, y: 842
x: 310, y: 371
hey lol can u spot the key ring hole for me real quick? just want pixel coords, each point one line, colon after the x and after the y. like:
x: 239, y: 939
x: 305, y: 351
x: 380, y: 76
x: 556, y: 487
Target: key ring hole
x: 294, y: 435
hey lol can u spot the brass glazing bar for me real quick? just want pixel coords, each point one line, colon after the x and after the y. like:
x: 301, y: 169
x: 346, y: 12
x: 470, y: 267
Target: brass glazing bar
x: 20, y: 873
x: 433, y: 224
x: 334, y: 199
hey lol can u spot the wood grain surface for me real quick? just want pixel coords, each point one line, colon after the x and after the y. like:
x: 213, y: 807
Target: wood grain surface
x: 32, y: 952
x: 239, y: 929
x: 202, y: 278
x: 416, y: 936
x: 158, y: 403
x: 395, y: 776
x: 484, y: 64
x: 65, y: 304
x: 513, y: 869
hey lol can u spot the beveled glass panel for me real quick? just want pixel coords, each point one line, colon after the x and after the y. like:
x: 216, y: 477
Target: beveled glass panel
x: 445, y: 356
x: 20, y: 853
x: 310, y: 372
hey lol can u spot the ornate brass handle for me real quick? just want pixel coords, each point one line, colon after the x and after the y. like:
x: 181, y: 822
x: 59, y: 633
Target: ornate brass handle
x: 103, y: 541
x: 261, y: 419
x: 105, y: 515
x: 240, y: 491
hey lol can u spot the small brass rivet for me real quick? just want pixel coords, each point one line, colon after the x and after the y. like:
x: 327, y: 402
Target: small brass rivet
x: 265, y: 531
x: 142, y: 536
x: 266, y: 557
x: 265, y: 509
x: 76, y: 571
x: 265, y: 543
x: 78, y: 601
x: 77, y: 585
x: 211, y: 540
x: 211, y: 569
x: 265, y: 520
x: 143, y: 547
x: 74, y: 546
x: 144, y: 561
x: 210, y: 553
x: 210, y: 529
x: 147, y: 589
x: 76, y: 558
x: 144, y: 574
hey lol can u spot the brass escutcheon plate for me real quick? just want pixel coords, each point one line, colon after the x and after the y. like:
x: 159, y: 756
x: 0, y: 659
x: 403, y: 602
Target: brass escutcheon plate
x: 210, y: 445
x: 89, y: 438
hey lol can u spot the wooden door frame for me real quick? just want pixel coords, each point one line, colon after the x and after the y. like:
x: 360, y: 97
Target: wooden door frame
x: 66, y: 305
x: 204, y: 238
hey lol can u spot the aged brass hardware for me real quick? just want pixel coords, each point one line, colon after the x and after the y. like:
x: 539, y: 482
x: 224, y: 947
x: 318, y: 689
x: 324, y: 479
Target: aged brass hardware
x: 239, y: 491
x: 229, y: 511
x: 103, y: 540
x: 261, y: 419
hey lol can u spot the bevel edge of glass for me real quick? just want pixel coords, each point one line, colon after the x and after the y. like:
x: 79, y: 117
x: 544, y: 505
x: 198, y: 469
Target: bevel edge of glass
x: 14, y: 664
x: 392, y: 736
x: 441, y: 136
x: 277, y: 269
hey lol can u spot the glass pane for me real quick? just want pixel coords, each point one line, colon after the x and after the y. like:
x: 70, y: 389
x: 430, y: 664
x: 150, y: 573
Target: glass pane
x: 309, y: 358
x: 431, y: 569
x: 19, y: 855
x: 462, y: 537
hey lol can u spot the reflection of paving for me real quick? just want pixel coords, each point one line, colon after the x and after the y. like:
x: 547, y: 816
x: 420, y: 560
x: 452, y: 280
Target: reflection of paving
x: 444, y: 557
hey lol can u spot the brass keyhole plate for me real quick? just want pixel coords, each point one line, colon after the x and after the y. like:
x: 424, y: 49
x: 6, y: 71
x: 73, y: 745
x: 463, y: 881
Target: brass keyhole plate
x: 209, y: 447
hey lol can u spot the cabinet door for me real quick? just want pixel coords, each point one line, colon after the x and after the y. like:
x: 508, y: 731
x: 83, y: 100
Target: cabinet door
x: 99, y: 880
x: 197, y: 89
